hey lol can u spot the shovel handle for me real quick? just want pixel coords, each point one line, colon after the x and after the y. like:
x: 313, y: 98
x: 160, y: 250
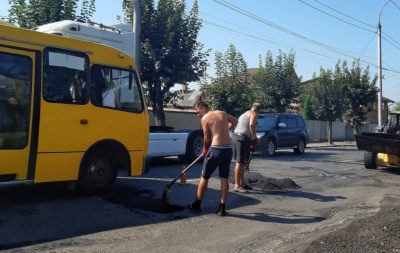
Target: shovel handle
x: 248, y: 164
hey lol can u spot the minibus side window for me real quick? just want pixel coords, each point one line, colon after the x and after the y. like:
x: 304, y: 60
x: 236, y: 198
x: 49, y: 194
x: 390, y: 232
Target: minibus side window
x: 15, y: 94
x: 65, y: 76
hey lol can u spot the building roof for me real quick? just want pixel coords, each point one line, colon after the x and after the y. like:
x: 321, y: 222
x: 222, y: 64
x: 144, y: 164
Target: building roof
x: 384, y: 99
x: 252, y: 71
x: 190, y: 99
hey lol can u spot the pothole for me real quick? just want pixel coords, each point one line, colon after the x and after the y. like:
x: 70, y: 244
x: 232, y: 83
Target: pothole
x: 142, y: 199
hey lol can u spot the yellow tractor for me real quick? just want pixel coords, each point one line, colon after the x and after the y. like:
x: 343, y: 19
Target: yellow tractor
x: 382, y: 148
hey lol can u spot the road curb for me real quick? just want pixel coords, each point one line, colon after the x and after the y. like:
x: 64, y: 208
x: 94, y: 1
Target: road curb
x: 327, y: 145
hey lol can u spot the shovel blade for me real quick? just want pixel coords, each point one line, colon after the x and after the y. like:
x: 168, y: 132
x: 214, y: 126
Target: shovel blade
x: 166, y: 192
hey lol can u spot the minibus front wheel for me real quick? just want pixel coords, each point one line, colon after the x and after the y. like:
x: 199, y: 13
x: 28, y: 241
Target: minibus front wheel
x: 97, y: 173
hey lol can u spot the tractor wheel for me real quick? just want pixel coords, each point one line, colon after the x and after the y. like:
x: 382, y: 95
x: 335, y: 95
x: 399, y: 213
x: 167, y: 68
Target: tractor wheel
x: 370, y: 160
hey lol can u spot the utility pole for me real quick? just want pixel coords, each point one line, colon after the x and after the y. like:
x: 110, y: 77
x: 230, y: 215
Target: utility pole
x: 379, y: 105
x: 380, y: 68
x: 137, y: 29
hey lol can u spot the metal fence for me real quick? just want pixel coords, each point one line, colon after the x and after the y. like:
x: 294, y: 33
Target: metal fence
x: 318, y: 130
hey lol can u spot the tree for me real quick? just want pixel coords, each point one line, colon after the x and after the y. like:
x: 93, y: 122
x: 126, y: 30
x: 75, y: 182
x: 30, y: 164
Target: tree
x: 170, y: 53
x: 276, y: 82
x: 87, y: 10
x: 326, y: 98
x: 360, y: 94
x: 229, y: 90
x: 263, y: 80
x: 39, y: 12
x: 395, y: 107
x: 306, y: 107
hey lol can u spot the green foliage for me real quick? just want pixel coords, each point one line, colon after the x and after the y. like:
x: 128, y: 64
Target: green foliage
x: 346, y: 94
x: 395, y: 107
x: 230, y: 90
x: 170, y: 52
x: 127, y: 6
x: 360, y: 93
x: 324, y: 99
x: 33, y: 13
x: 326, y: 96
x: 306, y: 108
x: 87, y: 10
x: 276, y: 82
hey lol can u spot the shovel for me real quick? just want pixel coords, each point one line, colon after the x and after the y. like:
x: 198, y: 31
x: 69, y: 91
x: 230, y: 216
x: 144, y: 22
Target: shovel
x: 248, y: 164
x: 167, y: 189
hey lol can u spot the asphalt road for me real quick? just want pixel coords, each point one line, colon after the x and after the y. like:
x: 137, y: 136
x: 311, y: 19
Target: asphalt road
x: 335, y: 190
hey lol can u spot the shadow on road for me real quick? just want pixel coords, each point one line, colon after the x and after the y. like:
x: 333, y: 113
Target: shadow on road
x: 42, y: 213
x: 391, y: 170
x: 275, y: 218
x: 313, y: 196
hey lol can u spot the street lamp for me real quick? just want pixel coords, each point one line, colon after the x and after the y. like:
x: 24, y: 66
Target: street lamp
x: 380, y: 68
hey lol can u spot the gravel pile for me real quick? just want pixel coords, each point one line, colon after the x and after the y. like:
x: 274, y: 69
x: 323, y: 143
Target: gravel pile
x: 378, y: 233
x: 266, y: 183
x: 259, y: 182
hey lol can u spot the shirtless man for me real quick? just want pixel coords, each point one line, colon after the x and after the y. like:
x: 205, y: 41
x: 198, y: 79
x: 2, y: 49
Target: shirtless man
x: 217, y: 152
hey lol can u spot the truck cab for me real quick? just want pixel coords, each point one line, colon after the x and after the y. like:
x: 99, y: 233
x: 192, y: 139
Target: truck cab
x: 119, y: 36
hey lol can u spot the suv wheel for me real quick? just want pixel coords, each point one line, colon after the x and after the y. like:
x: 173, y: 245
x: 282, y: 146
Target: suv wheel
x: 301, y: 146
x: 269, y: 149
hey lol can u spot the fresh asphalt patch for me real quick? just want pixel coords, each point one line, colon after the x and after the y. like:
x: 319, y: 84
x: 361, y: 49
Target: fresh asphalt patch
x: 132, y: 198
x: 143, y: 199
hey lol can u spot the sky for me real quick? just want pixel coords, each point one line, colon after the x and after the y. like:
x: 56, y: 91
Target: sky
x: 320, y: 32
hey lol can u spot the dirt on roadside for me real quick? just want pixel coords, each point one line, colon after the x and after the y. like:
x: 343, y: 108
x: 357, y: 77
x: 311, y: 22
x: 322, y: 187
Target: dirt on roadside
x: 377, y: 233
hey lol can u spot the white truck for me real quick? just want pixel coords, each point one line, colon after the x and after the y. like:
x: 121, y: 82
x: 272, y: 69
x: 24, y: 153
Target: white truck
x: 187, y: 144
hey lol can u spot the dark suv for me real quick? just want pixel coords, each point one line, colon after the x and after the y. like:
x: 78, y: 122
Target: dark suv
x: 281, y: 131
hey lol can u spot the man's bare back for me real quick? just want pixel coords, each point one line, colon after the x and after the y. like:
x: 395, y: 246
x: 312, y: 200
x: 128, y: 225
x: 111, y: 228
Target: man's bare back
x: 216, y: 126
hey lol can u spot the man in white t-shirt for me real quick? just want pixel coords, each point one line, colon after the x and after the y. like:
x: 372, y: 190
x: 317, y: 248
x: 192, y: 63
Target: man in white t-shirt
x: 109, y: 97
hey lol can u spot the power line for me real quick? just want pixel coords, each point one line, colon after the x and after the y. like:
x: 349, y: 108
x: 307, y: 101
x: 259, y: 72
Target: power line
x: 248, y: 14
x: 391, y: 38
x: 281, y: 43
x: 390, y: 43
x: 356, y: 25
x: 353, y: 19
x: 290, y: 46
x: 265, y: 40
x: 344, y: 14
x: 336, y: 17
x: 395, y: 4
x: 366, y: 47
x: 238, y: 35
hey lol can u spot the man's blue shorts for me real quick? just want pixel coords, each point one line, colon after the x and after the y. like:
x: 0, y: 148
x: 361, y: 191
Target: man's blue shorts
x: 217, y: 156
